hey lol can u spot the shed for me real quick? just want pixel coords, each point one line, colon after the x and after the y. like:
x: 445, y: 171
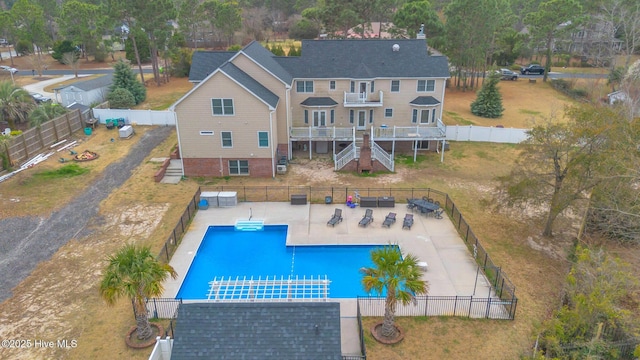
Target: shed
x: 84, y: 92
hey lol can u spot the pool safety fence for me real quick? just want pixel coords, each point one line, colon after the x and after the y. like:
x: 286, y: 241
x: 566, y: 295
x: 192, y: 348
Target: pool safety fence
x: 276, y: 289
x: 503, y: 287
x: 160, y: 308
x: 462, y: 306
x: 179, y: 230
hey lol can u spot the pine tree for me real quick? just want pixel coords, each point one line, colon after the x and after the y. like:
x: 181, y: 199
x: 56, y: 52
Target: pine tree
x: 488, y: 104
x: 123, y: 77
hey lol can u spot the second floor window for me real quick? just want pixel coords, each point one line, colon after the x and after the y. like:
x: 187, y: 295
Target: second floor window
x: 222, y: 106
x: 426, y: 85
x: 388, y: 112
x: 332, y: 85
x: 304, y: 86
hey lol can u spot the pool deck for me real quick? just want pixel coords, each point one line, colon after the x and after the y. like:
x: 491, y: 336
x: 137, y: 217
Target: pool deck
x: 451, y: 268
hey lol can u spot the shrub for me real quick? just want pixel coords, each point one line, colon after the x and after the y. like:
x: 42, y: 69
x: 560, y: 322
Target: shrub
x: 62, y: 47
x: 181, y: 62
x: 303, y: 29
x: 121, y: 98
x: 101, y: 53
x: 23, y: 47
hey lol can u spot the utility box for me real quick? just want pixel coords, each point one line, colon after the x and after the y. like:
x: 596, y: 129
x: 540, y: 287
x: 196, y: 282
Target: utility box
x: 126, y: 131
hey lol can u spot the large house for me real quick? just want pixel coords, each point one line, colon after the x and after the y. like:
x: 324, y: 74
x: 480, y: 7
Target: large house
x: 361, y: 100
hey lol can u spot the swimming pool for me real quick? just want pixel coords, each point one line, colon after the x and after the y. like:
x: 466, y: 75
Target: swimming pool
x: 225, y: 251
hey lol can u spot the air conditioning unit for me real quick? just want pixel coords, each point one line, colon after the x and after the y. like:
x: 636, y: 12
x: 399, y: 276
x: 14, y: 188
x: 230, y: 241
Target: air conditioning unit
x: 281, y: 169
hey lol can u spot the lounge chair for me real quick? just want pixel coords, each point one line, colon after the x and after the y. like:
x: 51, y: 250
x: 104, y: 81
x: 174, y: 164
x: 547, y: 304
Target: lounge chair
x: 336, y: 218
x: 367, y: 218
x: 389, y: 219
x: 408, y: 221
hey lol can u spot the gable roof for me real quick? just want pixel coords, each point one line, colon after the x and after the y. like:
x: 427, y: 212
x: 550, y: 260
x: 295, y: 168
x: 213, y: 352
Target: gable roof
x: 204, y: 63
x: 91, y: 84
x: 250, y: 84
x: 335, y: 59
x: 278, y: 331
x: 266, y: 58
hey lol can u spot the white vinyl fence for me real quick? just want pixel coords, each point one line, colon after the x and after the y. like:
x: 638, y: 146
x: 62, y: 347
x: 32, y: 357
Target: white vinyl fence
x: 136, y: 117
x: 485, y: 134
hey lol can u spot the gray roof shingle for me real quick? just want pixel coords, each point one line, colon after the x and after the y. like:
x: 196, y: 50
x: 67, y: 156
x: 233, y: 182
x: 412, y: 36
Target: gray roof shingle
x: 251, y: 84
x: 204, y: 63
x: 425, y: 100
x: 319, y: 101
x: 334, y: 59
x: 264, y: 331
x: 91, y: 84
x: 266, y: 58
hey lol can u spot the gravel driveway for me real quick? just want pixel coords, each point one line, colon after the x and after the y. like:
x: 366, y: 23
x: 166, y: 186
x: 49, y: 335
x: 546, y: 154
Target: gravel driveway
x: 26, y: 241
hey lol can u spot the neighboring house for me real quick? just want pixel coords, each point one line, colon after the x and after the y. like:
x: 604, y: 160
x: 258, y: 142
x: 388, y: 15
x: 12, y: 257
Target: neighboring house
x: 616, y: 96
x: 361, y: 100
x: 85, y: 92
x: 278, y: 331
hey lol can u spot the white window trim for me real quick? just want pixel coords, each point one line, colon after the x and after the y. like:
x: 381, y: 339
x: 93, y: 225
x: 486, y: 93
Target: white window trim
x: 391, y: 86
x: 385, y: 113
x: 258, y: 134
x: 238, y: 163
x: 304, y: 88
x: 222, y: 139
x: 426, y: 86
x: 233, y: 104
x: 334, y: 85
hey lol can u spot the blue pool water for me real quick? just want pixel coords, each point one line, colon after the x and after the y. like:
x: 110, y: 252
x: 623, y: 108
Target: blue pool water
x: 227, y: 252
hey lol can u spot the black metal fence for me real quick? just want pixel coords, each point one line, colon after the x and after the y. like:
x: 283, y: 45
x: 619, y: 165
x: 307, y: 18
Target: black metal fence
x: 175, y: 238
x: 463, y: 306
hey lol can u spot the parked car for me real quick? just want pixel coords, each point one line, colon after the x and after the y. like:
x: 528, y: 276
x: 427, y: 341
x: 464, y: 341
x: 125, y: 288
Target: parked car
x: 39, y: 98
x: 9, y: 69
x: 506, y: 74
x: 532, y: 69
x: 4, y: 42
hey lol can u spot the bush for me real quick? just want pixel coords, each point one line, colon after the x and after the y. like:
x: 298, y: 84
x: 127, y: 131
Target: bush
x: 121, y: 98
x: 62, y: 47
x: 101, y: 53
x: 123, y: 77
x: 303, y: 29
x: 181, y: 62
x: 23, y: 47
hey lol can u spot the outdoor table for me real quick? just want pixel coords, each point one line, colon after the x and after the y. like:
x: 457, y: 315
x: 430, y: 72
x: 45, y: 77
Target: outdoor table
x: 424, y: 206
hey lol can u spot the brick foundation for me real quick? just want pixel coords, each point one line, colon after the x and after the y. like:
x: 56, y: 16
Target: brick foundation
x: 211, y: 167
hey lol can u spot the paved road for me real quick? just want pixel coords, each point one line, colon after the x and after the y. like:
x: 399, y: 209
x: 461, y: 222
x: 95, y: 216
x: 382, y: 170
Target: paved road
x: 27, y: 241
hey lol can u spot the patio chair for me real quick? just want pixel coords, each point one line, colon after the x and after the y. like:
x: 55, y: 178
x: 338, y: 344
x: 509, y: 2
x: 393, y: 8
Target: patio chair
x: 438, y: 213
x: 410, y: 204
x: 408, y: 221
x: 336, y: 218
x: 367, y: 218
x: 389, y: 219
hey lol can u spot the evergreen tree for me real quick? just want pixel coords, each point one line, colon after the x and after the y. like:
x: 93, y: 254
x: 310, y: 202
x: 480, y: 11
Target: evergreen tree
x: 488, y: 104
x: 121, y: 98
x: 123, y: 77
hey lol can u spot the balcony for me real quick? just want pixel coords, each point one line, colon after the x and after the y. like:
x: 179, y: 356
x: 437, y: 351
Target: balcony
x: 363, y: 99
x: 416, y: 132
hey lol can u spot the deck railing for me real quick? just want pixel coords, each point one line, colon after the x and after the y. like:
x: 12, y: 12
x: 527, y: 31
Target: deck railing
x: 363, y: 98
x: 384, y: 157
x: 345, y: 156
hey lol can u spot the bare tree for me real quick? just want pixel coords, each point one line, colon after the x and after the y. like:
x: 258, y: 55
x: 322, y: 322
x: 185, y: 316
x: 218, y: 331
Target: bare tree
x: 72, y: 60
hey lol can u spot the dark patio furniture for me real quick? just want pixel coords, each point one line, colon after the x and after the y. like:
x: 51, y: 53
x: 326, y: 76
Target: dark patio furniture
x: 299, y: 199
x: 336, y: 218
x: 368, y: 201
x: 438, y: 213
x: 389, y: 219
x: 386, y: 201
x: 367, y: 218
x: 408, y: 221
x: 425, y: 207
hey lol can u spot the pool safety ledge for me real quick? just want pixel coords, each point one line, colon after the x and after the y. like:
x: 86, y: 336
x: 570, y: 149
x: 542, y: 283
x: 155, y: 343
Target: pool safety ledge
x: 249, y: 225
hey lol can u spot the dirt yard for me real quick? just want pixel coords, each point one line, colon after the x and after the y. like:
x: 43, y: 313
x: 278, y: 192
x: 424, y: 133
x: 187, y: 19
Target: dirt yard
x: 59, y: 299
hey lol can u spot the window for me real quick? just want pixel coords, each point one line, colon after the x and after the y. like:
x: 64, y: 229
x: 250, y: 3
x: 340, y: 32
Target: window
x: 239, y: 167
x: 373, y: 85
x: 351, y: 116
x: 332, y: 85
x: 426, y: 85
x: 306, y: 116
x: 433, y: 115
x: 421, y: 145
x: 353, y: 86
x: 222, y: 106
x: 319, y: 118
x: 395, y: 85
x: 371, y: 116
x: 227, y: 141
x: 263, y: 139
x: 388, y: 112
x: 304, y: 86
x: 423, y: 116
x: 333, y: 116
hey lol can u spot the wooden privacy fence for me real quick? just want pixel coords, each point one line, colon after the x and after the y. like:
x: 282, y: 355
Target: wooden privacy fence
x: 33, y: 141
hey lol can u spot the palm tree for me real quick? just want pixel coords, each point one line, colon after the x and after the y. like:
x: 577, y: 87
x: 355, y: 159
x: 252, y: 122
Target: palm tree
x: 45, y: 112
x: 400, y: 278
x: 15, y: 103
x: 133, y: 272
